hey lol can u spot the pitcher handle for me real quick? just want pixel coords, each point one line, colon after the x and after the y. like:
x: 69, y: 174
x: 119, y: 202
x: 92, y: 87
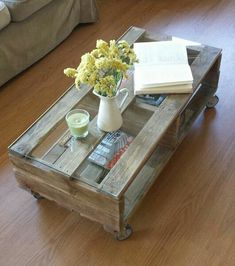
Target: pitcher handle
x: 125, y: 97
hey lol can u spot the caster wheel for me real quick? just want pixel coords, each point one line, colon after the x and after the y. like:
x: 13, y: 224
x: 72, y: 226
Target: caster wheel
x: 37, y: 195
x: 212, y: 101
x: 127, y: 232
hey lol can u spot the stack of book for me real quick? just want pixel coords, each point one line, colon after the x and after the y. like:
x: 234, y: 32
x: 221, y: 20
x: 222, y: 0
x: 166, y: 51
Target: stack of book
x: 163, y: 68
x: 111, y: 148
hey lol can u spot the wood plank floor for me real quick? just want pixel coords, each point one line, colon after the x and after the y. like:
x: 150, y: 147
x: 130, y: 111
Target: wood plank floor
x: 188, y: 217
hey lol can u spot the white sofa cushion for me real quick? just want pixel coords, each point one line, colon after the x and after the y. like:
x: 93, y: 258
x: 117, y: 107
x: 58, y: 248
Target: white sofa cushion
x: 5, y: 17
x: 22, y: 9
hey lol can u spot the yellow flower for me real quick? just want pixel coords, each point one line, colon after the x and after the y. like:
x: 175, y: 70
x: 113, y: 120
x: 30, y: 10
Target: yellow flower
x: 102, y: 63
x: 103, y: 67
x: 70, y: 72
x: 101, y: 44
x: 119, y: 65
x: 124, y: 47
x: 113, y: 49
x: 93, y: 78
x: 88, y: 59
x: 103, y: 47
x: 112, y: 43
x: 95, y: 53
x: 106, y: 86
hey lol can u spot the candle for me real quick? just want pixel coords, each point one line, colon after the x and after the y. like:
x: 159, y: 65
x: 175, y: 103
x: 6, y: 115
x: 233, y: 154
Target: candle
x: 78, y: 121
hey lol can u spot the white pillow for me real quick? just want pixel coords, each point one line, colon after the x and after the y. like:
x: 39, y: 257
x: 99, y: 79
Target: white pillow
x: 5, y: 17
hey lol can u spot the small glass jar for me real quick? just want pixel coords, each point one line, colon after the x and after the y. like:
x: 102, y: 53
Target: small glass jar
x: 78, y: 120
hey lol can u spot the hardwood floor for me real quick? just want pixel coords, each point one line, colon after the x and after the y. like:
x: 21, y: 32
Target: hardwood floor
x: 188, y: 217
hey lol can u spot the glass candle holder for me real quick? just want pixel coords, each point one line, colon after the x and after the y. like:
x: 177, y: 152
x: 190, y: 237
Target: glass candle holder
x: 78, y: 120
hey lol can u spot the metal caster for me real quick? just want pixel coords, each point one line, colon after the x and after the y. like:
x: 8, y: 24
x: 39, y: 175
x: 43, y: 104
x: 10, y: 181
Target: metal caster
x: 212, y: 101
x: 36, y: 195
x: 126, y: 233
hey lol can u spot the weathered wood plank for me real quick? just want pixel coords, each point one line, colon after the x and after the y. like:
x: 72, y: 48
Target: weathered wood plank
x: 212, y: 77
x: 122, y: 174
x: 45, y: 123
x: 158, y: 36
x: 52, y: 156
x: 202, y: 64
x: 170, y: 138
x: 134, y: 118
x: 146, y: 177
x: 136, y: 191
x: 132, y: 34
x: 194, y: 108
x: 68, y: 201
x: 72, y: 194
x: 48, y: 142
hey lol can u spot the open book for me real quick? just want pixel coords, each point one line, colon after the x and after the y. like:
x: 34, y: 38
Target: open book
x: 163, y: 68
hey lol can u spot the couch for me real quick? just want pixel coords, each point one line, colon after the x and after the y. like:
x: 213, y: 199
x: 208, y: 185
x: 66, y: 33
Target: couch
x: 29, y: 29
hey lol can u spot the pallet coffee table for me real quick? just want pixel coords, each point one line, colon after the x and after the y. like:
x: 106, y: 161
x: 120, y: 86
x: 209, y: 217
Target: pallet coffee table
x: 50, y: 164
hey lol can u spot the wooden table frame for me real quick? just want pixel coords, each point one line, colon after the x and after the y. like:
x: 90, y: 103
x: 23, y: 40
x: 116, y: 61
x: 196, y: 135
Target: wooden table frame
x: 112, y: 201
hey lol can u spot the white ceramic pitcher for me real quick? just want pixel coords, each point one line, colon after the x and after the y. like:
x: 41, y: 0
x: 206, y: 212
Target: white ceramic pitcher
x: 109, y: 115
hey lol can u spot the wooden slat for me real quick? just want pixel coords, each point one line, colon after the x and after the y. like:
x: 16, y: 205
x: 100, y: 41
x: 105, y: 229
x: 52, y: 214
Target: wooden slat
x: 122, y: 174
x: 52, y: 156
x: 132, y: 34
x: 135, y: 192
x: 43, y: 126
x: 194, y: 108
x: 71, y: 202
x: 71, y: 194
x: 212, y: 78
x: 45, y: 145
x: 202, y: 64
x: 146, y: 177
x: 170, y: 138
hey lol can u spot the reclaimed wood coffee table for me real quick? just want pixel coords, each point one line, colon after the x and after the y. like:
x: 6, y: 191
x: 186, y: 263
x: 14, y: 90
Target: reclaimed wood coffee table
x: 50, y: 164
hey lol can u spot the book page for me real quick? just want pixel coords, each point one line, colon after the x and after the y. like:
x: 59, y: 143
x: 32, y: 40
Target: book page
x: 160, y: 53
x: 161, y: 64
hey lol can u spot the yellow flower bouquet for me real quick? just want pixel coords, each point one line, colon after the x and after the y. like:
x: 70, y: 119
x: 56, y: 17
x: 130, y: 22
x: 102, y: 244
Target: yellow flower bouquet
x: 104, y: 67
